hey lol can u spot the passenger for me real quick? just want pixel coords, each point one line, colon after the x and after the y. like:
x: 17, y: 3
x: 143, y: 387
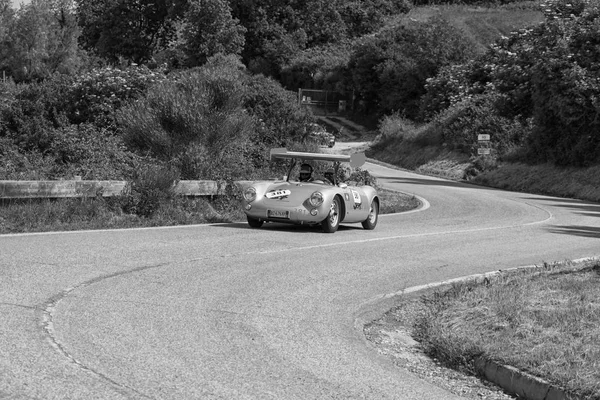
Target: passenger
x: 330, y: 176
x: 306, y: 173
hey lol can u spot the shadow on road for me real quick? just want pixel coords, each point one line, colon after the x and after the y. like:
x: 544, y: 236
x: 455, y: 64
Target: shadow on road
x: 580, y: 207
x: 279, y: 227
x: 432, y: 182
x: 583, y: 231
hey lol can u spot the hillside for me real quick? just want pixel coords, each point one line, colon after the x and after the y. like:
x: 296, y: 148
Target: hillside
x: 482, y: 25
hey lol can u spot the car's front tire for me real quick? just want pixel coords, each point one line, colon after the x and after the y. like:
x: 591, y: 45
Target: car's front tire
x: 254, y: 222
x: 371, y: 222
x: 332, y: 222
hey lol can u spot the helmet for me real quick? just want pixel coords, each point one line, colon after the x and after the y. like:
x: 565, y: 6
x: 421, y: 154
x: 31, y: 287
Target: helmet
x: 306, y: 168
x: 305, y: 172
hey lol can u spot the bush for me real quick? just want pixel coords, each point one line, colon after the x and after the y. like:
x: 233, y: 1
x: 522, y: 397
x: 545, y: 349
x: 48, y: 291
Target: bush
x: 461, y: 124
x: 214, y: 122
x: 152, y: 187
x: 195, y: 121
x: 396, y: 126
x: 35, y: 109
x: 97, y: 94
x: 390, y: 69
x: 90, y: 152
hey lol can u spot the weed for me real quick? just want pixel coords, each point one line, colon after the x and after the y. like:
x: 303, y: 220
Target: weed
x: 543, y: 321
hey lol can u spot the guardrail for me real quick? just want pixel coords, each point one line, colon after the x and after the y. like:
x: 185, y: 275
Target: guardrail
x: 109, y: 188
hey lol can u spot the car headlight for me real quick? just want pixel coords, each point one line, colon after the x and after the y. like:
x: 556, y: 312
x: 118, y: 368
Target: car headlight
x: 250, y: 194
x: 316, y: 199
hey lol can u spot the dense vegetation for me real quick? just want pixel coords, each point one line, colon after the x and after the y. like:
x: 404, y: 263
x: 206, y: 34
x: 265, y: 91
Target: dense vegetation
x: 535, y: 92
x: 201, y: 89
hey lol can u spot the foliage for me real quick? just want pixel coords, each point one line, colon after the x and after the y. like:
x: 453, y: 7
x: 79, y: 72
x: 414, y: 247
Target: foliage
x: 546, y: 77
x: 360, y: 177
x: 152, y: 187
x: 39, y: 40
x: 130, y: 30
x: 194, y: 120
x: 461, y: 124
x: 97, y: 94
x: 210, y: 29
x: 82, y: 150
x: 318, y: 67
x: 278, y: 31
x: 90, y: 152
x: 390, y: 69
x: 213, y: 122
x: 33, y: 111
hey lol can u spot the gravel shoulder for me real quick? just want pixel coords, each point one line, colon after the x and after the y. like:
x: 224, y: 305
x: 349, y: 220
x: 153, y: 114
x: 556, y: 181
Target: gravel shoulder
x: 390, y: 336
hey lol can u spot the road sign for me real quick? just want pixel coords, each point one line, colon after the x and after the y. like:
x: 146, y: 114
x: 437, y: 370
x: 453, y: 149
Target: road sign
x: 483, y: 137
x: 481, y: 151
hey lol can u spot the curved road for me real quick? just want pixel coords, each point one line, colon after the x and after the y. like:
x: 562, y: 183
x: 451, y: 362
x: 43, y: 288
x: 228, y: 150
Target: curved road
x: 226, y: 312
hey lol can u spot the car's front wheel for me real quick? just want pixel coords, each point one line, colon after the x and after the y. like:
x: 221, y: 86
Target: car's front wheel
x: 254, y: 222
x: 371, y: 220
x: 332, y: 222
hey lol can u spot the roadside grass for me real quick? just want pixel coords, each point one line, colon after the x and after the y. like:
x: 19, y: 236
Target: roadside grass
x: 391, y: 202
x: 545, y: 321
x: 419, y: 149
x: 45, y: 215
x: 579, y: 183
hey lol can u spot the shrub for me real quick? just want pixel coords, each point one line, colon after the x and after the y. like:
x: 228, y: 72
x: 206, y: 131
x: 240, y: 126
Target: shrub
x: 360, y: 177
x: 151, y: 187
x: 34, y: 110
x: 461, y: 124
x: 391, y: 68
x: 194, y: 120
x: 90, y: 152
x: 97, y: 94
x: 395, y: 126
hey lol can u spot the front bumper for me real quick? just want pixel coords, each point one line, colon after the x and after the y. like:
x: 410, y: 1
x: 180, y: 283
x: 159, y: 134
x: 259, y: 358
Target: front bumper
x: 293, y: 214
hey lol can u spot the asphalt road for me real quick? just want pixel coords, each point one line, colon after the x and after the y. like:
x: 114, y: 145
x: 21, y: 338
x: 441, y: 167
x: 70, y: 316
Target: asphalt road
x: 226, y: 312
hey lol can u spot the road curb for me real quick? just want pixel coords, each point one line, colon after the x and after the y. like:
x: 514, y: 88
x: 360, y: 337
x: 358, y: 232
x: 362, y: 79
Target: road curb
x: 509, y: 378
x: 520, y: 383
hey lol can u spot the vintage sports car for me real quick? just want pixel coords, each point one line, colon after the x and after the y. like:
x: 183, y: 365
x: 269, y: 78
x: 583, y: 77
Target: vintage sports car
x: 320, y: 201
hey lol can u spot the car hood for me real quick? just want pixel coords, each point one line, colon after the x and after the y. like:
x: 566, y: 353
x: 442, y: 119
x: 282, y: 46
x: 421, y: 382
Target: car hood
x: 299, y: 191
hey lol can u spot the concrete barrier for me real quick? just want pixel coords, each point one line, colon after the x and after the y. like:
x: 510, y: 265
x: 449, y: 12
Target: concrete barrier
x: 80, y: 188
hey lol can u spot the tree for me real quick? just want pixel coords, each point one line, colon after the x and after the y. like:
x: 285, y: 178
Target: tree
x: 129, y: 29
x: 391, y: 68
x: 210, y: 29
x: 41, y: 40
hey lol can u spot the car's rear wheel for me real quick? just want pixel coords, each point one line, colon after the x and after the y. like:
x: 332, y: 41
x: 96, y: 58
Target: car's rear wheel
x: 332, y: 222
x: 371, y: 221
x: 254, y: 222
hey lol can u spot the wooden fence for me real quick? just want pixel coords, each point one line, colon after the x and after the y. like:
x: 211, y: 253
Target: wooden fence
x: 80, y: 188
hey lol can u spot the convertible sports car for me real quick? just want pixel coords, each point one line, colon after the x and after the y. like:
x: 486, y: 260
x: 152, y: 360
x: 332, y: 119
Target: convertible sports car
x: 324, y: 202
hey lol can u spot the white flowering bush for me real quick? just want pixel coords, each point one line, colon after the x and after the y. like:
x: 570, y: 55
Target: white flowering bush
x: 545, y: 79
x: 97, y: 94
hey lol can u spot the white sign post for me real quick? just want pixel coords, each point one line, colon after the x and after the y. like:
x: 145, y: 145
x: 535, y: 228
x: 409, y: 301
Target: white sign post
x: 484, y: 140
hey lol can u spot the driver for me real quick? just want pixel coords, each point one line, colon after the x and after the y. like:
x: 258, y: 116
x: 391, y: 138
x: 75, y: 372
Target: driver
x: 330, y: 175
x: 306, y: 173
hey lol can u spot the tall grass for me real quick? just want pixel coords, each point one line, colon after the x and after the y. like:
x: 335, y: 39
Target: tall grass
x: 545, y: 322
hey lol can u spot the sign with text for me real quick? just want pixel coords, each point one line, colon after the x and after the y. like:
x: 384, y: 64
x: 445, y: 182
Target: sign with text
x: 483, y: 137
x: 482, y: 151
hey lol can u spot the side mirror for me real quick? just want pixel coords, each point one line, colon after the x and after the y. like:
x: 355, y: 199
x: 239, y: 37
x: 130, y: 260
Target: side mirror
x: 342, y: 185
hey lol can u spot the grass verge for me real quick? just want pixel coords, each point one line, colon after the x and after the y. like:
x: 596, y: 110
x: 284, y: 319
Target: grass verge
x: 44, y: 215
x: 545, y: 321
